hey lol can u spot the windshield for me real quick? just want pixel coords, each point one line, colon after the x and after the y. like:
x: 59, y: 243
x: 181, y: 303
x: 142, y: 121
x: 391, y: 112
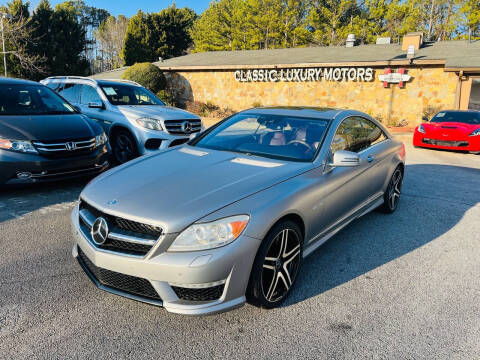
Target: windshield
x: 472, y: 118
x: 124, y: 94
x: 273, y: 136
x: 20, y: 99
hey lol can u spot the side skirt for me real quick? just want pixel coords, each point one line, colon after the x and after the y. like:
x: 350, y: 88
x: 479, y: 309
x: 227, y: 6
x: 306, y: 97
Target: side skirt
x: 322, y: 238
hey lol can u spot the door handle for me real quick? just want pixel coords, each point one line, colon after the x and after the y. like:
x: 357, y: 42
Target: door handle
x: 370, y: 158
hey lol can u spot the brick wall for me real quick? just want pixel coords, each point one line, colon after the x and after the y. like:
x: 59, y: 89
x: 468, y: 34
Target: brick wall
x: 430, y: 89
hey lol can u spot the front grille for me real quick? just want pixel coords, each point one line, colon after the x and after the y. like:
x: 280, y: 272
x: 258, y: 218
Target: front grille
x: 180, y: 127
x: 202, y: 294
x: 148, y: 231
x: 126, y: 283
x: 445, y: 143
x: 65, y: 148
x: 119, y: 226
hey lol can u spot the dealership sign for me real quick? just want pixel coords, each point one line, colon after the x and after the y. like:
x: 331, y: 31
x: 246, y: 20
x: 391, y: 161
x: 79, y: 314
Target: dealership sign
x: 399, y: 77
x: 305, y: 74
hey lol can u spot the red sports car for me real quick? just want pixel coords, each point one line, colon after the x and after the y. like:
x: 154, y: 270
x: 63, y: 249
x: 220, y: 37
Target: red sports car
x: 450, y: 130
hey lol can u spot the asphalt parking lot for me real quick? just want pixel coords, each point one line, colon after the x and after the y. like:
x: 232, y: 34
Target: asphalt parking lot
x: 402, y: 286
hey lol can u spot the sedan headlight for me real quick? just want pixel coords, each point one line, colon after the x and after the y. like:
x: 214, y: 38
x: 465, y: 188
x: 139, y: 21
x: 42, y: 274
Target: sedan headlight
x: 100, y: 139
x: 210, y: 235
x: 18, y: 146
x: 421, y: 129
x: 152, y: 124
x: 475, y: 133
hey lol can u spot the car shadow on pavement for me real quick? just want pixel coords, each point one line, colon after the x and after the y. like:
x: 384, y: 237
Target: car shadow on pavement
x: 435, y: 198
x: 20, y: 200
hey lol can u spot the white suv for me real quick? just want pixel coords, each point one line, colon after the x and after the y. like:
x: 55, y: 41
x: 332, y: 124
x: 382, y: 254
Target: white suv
x: 136, y: 121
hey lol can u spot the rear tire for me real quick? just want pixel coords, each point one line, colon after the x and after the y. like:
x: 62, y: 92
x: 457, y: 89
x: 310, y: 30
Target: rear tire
x: 276, y: 265
x: 391, y: 198
x: 124, y: 146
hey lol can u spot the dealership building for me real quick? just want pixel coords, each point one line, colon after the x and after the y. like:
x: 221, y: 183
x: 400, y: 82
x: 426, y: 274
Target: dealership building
x: 397, y: 83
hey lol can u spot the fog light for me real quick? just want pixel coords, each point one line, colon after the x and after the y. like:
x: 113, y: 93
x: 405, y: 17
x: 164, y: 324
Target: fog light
x: 24, y: 175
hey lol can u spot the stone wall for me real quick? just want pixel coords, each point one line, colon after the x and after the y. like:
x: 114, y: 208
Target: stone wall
x: 429, y: 90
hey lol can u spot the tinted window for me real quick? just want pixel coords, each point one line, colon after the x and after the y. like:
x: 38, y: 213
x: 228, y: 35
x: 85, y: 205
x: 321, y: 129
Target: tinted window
x: 375, y: 134
x: 31, y: 100
x: 457, y: 116
x: 356, y: 134
x: 89, y: 95
x: 71, y: 92
x: 123, y: 94
x: 273, y: 136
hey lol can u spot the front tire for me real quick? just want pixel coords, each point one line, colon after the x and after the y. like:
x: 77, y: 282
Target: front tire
x: 124, y: 146
x: 391, y: 197
x: 276, y: 266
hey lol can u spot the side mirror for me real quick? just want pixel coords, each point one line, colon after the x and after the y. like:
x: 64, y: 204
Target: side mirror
x: 425, y: 118
x: 343, y: 158
x: 96, y: 105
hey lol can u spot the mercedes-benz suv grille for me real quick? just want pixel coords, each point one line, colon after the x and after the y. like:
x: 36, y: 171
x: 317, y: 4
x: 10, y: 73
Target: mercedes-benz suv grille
x: 183, y: 127
x: 124, y: 236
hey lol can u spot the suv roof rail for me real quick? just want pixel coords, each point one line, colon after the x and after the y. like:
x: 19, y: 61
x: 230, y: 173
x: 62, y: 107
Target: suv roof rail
x: 123, y: 80
x: 72, y: 77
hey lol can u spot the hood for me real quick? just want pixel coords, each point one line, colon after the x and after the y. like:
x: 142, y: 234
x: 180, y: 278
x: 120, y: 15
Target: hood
x: 175, y: 188
x: 456, y: 130
x: 155, y: 111
x: 47, y: 127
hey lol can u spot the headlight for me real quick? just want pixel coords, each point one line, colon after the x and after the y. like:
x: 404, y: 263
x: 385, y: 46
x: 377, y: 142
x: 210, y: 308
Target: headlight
x: 18, y: 146
x: 475, y: 133
x: 152, y: 124
x: 100, y: 139
x: 421, y: 129
x: 210, y: 235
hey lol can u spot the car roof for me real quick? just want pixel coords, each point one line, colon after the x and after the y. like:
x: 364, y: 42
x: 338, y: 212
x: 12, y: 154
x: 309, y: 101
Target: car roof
x: 115, y: 82
x: 13, y: 81
x: 459, y: 111
x: 323, y: 113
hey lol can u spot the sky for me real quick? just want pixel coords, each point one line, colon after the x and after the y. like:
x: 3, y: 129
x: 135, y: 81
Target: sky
x: 130, y: 7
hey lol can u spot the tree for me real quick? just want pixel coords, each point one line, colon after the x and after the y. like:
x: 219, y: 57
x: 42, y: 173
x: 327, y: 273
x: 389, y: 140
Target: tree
x: 164, y: 34
x: 18, y: 40
x: 251, y: 24
x: 329, y: 19
x: 470, y: 11
x: 61, y: 41
x: 110, y: 37
x: 147, y: 75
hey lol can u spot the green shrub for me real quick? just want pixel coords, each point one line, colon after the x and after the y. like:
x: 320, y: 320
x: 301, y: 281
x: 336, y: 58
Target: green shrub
x: 167, y: 97
x: 147, y: 75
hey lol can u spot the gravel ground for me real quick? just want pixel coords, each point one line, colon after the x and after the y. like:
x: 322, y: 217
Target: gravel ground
x: 402, y: 286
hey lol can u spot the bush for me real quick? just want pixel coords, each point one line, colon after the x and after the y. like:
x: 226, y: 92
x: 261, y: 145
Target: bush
x: 208, y: 109
x: 167, y: 97
x: 147, y: 75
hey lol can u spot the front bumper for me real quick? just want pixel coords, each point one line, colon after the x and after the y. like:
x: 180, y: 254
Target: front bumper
x: 470, y: 143
x: 151, y: 140
x: 43, y: 169
x: 163, y: 272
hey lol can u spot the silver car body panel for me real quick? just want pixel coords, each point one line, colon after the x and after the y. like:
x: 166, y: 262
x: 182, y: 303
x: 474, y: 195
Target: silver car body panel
x: 125, y: 116
x: 180, y: 186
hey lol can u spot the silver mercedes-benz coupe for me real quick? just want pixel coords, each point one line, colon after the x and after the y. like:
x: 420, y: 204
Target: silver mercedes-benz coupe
x: 227, y: 218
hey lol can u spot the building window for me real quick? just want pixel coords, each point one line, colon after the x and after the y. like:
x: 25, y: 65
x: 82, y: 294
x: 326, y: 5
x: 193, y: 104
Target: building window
x: 474, y: 102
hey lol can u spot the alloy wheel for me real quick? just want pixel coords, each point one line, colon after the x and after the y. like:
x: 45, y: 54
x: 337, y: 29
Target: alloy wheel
x: 395, y: 189
x: 281, y: 265
x: 124, y: 148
